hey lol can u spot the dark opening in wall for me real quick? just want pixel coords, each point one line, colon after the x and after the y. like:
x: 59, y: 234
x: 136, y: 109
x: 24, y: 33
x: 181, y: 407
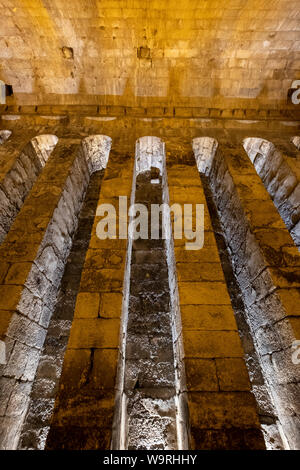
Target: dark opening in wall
x: 9, y: 90
x: 144, y: 53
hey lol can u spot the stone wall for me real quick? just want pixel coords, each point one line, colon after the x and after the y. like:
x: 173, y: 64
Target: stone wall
x: 149, y: 369
x: 217, y: 410
x: 280, y: 174
x: 217, y: 52
x: 266, y: 265
x: 266, y: 412
x: 90, y: 399
x: 33, y: 258
x: 149, y: 375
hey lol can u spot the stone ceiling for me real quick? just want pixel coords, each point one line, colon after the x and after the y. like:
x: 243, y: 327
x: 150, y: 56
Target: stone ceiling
x: 218, y: 53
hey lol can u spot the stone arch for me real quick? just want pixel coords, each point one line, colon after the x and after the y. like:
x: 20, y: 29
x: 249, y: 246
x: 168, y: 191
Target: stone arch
x: 96, y: 150
x: 279, y: 178
x: 296, y: 141
x: 149, y: 151
x: 44, y: 145
x: 204, y: 149
x: 19, y: 179
x: 4, y: 135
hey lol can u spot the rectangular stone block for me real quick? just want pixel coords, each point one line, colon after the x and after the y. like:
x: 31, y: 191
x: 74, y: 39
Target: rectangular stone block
x: 94, y: 333
x: 201, y: 293
x: 211, y: 344
x: 232, y: 374
x: 201, y: 375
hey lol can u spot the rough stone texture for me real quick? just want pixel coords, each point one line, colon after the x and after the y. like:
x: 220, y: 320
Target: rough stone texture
x: 33, y: 257
x: 204, y: 149
x: 212, y: 379
x: 280, y: 173
x: 85, y: 403
x: 4, y: 135
x: 266, y: 411
x: 149, y: 363
x: 21, y: 161
x: 37, y: 422
x: 266, y: 265
x: 296, y: 141
x: 149, y: 154
x: 176, y: 126
x: 215, y: 53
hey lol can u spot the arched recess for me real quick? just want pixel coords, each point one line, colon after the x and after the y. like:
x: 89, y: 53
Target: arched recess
x: 4, y: 135
x: 19, y: 179
x: 30, y: 319
x: 281, y: 180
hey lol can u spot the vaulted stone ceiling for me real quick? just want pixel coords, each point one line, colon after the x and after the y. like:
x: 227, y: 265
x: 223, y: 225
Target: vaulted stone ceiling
x: 148, y: 52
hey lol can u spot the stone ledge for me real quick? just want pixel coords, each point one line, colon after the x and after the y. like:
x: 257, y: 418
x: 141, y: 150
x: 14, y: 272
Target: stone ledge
x: 153, y: 112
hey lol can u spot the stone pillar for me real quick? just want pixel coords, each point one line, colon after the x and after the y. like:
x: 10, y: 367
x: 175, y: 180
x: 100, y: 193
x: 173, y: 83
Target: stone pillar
x: 216, y: 407
x: 85, y: 404
x: 42, y: 398
x: 22, y: 158
x: 279, y: 168
x: 296, y: 141
x: 266, y: 264
x: 32, y: 263
x: 149, y: 375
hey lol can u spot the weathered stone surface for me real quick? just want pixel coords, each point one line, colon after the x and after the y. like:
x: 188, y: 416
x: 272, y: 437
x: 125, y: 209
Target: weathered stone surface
x: 22, y: 158
x: 149, y: 361
x: 85, y: 401
x: 208, y: 349
x: 265, y: 264
x: 45, y: 387
x: 281, y: 177
x: 32, y: 287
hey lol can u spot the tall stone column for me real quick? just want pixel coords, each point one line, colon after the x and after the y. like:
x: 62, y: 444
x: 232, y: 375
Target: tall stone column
x: 85, y: 404
x: 149, y: 404
x: 216, y: 408
x: 266, y: 265
x: 279, y: 168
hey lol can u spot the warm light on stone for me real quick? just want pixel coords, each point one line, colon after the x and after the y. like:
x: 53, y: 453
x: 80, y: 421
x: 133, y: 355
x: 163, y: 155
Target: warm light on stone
x: 178, y: 121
